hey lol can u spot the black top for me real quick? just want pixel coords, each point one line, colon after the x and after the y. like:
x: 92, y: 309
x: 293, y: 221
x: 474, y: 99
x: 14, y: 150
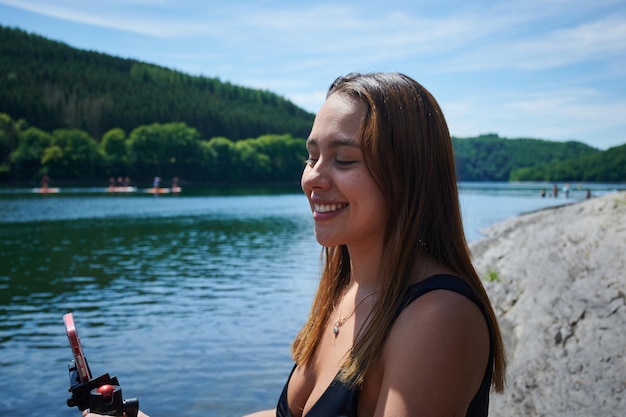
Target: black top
x: 341, y: 400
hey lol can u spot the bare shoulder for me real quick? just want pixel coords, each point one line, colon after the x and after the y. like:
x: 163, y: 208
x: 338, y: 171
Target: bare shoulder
x: 435, y: 356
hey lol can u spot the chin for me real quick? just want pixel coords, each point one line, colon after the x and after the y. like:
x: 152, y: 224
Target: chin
x: 327, y: 241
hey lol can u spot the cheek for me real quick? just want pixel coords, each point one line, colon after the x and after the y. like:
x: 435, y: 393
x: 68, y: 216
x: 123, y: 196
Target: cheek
x: 377, y: 199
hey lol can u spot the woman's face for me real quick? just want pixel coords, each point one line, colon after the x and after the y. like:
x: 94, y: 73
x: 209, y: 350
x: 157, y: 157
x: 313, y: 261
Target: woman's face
x: 348, y: 207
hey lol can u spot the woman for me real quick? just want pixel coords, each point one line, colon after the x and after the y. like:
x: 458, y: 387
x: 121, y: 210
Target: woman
x: 400, y: 324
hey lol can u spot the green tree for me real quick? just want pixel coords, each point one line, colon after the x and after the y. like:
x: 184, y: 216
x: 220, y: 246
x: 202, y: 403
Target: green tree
x: 26, y: 158
x: 491, y: 158
x: 285, y: 153
x: 206, y: 159
x: 250, y: 165
x: 163, y: 150
x: 224, y: 154
x: 114, y: 147
x: 9, y: 134
x: 609, y: 166
x: 73, y: 154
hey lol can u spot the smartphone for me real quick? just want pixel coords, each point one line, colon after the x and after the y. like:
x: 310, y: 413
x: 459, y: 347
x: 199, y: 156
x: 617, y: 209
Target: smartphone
x: 82, y: 368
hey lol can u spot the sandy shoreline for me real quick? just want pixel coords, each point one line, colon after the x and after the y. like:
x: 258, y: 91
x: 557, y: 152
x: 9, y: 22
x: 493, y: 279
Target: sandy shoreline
x: 557, y: 279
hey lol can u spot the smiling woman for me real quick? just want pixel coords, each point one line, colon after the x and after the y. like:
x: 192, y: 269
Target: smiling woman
x: 401, y: 324
x: 347, y: 204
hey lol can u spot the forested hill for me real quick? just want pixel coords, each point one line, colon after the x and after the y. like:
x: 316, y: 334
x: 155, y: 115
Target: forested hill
x: 492, y: 158
x: 52, y: 85
x: 74, y: 114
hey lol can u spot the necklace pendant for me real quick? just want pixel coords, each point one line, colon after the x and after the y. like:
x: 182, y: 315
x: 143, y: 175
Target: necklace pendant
x: 336, y: 330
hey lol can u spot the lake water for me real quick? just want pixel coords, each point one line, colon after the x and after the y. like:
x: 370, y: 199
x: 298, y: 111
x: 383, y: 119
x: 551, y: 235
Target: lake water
x: 191, y: 300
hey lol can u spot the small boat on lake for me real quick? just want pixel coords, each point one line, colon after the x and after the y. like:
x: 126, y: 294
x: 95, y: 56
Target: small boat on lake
x: 46, y: 190
x: 175, y: 189
x: 124, y: 189
x: 163, y: 190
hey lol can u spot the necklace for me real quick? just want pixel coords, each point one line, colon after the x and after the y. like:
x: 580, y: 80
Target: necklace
x: 341, y: 321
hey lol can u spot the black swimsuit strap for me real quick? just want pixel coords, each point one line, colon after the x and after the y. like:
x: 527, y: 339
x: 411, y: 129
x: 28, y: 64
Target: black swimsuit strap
x: 439, y: 282
x: 341, y: 400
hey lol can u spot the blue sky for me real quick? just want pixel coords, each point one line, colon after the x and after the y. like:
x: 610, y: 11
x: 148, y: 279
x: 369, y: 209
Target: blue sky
x: 548, y: 69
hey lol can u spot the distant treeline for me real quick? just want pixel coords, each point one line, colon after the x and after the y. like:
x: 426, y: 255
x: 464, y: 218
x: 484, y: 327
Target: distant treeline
x: 53, y: 85
x: 166, y: 150
x: 178, y: 150
x: 491, y: 158
x: 607, y: 166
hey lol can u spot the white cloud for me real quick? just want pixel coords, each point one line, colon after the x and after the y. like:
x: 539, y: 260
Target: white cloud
x: 117, y: 15
x: 597, y: 40
x: 310, y: 101
x: 544, y: 115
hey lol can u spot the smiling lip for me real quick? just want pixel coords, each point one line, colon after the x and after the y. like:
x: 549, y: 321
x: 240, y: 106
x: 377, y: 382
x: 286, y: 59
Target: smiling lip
x: 329, y: 208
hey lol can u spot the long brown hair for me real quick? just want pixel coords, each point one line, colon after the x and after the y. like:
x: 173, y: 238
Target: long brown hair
x: 408, y: 150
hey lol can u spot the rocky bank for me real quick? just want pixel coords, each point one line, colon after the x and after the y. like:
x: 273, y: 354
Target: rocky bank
x: 557, y: 279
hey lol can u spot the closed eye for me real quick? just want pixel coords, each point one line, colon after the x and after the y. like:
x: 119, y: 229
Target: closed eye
x: 344, y: 163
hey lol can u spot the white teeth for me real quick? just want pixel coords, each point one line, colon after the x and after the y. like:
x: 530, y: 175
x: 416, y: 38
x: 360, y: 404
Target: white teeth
x: 327, y: 208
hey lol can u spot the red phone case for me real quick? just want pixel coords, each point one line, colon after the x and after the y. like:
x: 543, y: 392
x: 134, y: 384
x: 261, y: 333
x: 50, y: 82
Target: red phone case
x: 77, y: 350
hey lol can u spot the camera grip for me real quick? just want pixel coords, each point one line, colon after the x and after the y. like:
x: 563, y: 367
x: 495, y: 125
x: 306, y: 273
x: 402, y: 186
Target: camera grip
x: 107, y: 400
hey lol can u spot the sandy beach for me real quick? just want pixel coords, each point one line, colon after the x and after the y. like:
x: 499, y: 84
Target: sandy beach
x: 557, y: 280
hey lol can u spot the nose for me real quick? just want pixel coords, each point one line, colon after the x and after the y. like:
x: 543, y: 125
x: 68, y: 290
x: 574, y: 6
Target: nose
x: 315, y: 177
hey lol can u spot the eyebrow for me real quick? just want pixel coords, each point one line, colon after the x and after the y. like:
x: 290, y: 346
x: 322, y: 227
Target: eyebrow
x: 335, y: 143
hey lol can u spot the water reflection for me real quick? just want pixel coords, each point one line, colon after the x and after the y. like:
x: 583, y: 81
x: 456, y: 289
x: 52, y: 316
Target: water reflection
x: 180, y: 303
x: 191, y: 301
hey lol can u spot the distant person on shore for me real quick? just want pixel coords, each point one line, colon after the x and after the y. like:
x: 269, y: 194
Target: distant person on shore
x: 543, y: 192
x: 566, y: 188
x: 555, y: 191
x: 45, y: 182
x: 156, y: 182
